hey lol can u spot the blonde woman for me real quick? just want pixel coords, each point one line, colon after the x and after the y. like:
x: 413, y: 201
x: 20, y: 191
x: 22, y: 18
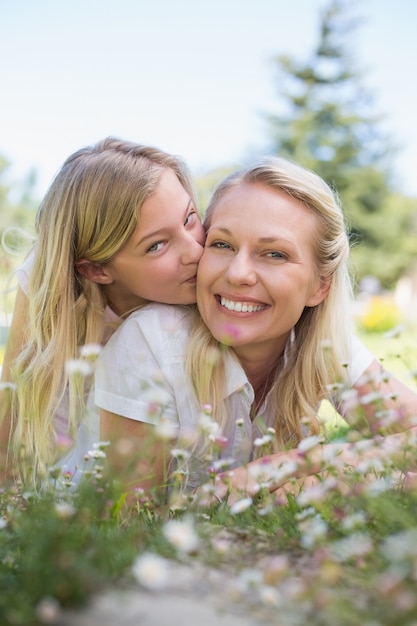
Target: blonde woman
x: 273, y: 337
x: 117, y: 228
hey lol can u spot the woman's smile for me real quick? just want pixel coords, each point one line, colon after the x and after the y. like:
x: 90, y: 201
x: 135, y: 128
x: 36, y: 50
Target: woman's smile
x: 240, y: 306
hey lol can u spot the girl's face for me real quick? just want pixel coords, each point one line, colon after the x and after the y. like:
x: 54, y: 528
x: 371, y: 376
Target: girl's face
x: 159, y: 262
x: 258, y: 272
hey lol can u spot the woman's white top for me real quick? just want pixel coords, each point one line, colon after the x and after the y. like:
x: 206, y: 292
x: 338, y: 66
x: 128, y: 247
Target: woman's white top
x: 143, y: 366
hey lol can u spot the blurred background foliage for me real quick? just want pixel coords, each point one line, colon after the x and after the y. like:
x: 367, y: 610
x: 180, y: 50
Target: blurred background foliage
x: 326, y: 120
x: 18, y: 204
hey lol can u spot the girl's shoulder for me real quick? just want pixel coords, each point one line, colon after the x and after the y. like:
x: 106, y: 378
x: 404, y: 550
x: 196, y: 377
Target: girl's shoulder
x: 156, y: 331
x: 159, y: 322
x: 163, y: 314
x: 24, y: 271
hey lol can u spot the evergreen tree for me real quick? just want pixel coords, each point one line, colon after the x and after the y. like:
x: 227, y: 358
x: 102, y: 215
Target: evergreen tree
x: 328, y: 124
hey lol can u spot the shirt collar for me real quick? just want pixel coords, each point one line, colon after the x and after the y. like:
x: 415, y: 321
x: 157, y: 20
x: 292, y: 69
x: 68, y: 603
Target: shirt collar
x: 236, y: 379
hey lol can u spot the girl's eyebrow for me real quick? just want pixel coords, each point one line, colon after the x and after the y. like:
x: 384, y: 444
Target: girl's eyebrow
x: 187, y: 208
x: 161, y: 230
x: 150, y: 236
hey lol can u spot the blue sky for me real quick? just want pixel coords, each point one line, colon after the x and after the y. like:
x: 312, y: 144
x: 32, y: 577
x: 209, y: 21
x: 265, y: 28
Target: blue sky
x: 193, y: 77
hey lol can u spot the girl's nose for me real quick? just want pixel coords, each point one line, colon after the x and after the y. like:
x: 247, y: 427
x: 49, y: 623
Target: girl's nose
x: 192, y: 250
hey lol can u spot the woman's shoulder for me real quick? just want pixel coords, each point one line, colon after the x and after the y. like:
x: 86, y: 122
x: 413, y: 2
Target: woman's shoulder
x: 360, y: 358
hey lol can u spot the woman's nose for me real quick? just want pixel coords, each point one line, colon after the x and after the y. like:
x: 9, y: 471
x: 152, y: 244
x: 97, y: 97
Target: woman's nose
x: 240, y: 270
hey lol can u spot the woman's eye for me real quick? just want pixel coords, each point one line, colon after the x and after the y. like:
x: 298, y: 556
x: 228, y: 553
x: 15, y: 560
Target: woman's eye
x: 222, y: 245
x: 155, y: 247
x: 274, y: 254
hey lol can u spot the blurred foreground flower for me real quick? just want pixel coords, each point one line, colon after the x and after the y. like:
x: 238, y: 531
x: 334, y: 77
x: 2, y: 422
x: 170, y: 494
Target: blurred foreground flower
x: 308, y: 443
x: 166, y: 430
x: 151, y: 571
x: 65, y: 509
x: 90, y: 350
x: 240, y: 506
x: 353, y: 547
x: 182, y: 535
x: 48, y: 611
x: 78, y: 366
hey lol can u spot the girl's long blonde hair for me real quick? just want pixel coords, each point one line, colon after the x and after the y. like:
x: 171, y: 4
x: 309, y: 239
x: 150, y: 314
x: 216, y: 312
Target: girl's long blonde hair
x: 319, y: 348
x: 89, y: 212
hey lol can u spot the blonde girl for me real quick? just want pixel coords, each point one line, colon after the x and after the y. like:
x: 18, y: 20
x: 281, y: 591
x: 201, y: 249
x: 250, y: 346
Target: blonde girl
x: 117, y: 228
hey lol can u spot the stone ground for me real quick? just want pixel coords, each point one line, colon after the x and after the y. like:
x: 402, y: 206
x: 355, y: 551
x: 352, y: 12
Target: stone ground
x: 195, y: 596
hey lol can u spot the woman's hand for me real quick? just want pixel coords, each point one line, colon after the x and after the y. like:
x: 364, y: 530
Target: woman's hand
x: 266, y: 474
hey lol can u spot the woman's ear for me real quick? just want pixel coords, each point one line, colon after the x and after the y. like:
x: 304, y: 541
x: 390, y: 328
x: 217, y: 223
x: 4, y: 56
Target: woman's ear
x: 321, y: 292
x: 94, y: 271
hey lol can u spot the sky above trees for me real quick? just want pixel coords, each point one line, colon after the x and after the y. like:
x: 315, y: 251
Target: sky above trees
x: 195, y: 78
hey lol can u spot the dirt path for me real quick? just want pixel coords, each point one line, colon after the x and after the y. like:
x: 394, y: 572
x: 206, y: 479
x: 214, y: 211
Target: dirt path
x: 194, y: 596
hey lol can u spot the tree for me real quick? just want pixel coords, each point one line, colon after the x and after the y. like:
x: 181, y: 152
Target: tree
x: 17, y: 209
x: 327, y: 123
x: 205, y: 183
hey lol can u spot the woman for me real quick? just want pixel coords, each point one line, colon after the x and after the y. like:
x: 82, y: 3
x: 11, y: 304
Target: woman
x: 274, y: 336
x: 117, y: 228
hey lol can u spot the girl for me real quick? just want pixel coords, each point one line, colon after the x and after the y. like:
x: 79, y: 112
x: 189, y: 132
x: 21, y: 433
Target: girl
x: 118, y: 228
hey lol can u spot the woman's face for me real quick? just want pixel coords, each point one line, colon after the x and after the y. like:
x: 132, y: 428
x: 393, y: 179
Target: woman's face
x: 159, y: 262
x: 257, y: 272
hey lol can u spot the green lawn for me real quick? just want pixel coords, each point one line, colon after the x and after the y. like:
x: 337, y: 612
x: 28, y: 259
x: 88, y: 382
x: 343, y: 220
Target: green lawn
x: 344, y: 553
x: 399, y: 356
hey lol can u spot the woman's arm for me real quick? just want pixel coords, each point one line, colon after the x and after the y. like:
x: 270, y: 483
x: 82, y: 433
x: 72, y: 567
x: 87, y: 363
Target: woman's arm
x: 279, y: 470
x: 15, y: 342
x: 380, y: 402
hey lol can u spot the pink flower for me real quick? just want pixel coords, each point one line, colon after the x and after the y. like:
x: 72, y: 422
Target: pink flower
x: 231, y: 333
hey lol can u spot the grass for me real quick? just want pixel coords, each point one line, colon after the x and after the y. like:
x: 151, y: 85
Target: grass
x: 398, y: 353
x: 342, y: 552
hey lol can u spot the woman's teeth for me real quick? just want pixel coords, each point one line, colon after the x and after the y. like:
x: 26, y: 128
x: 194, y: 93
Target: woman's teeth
x: 241, y: 307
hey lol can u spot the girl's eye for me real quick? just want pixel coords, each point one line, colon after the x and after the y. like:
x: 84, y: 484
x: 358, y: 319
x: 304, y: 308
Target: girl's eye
x: 155, y: 247
x: 190, y: 218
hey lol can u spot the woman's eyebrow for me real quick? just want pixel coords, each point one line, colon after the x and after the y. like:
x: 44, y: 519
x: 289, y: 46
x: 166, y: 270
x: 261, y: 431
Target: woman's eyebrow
x: 227, y: 231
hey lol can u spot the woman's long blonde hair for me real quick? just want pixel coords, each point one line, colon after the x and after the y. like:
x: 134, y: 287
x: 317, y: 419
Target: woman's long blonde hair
x: 89, y: 212
x: 319, y: 348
